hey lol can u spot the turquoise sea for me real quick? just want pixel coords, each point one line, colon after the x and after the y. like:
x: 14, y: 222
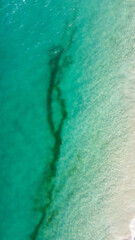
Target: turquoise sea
x: 67, y: 122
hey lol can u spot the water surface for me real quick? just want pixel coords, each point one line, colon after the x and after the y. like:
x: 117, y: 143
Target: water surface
x: 67, y: 120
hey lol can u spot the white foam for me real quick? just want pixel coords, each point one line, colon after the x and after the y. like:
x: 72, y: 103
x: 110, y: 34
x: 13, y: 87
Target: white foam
x: 132, y: 228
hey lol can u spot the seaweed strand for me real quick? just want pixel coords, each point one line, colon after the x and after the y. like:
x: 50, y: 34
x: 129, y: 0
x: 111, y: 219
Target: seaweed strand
x: 57, y: 64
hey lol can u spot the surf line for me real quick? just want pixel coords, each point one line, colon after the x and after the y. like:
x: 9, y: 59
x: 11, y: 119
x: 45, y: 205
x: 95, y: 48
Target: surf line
x: 59, y: 60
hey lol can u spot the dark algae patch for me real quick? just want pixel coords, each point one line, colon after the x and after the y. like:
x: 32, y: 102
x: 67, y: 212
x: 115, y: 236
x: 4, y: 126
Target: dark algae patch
x: 59, y: 60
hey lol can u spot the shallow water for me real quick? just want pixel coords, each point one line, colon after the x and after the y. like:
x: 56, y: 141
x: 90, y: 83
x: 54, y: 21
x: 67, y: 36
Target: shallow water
x: 67, y: 120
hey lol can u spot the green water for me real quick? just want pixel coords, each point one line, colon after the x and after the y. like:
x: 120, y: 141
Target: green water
x: 67, y: 119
